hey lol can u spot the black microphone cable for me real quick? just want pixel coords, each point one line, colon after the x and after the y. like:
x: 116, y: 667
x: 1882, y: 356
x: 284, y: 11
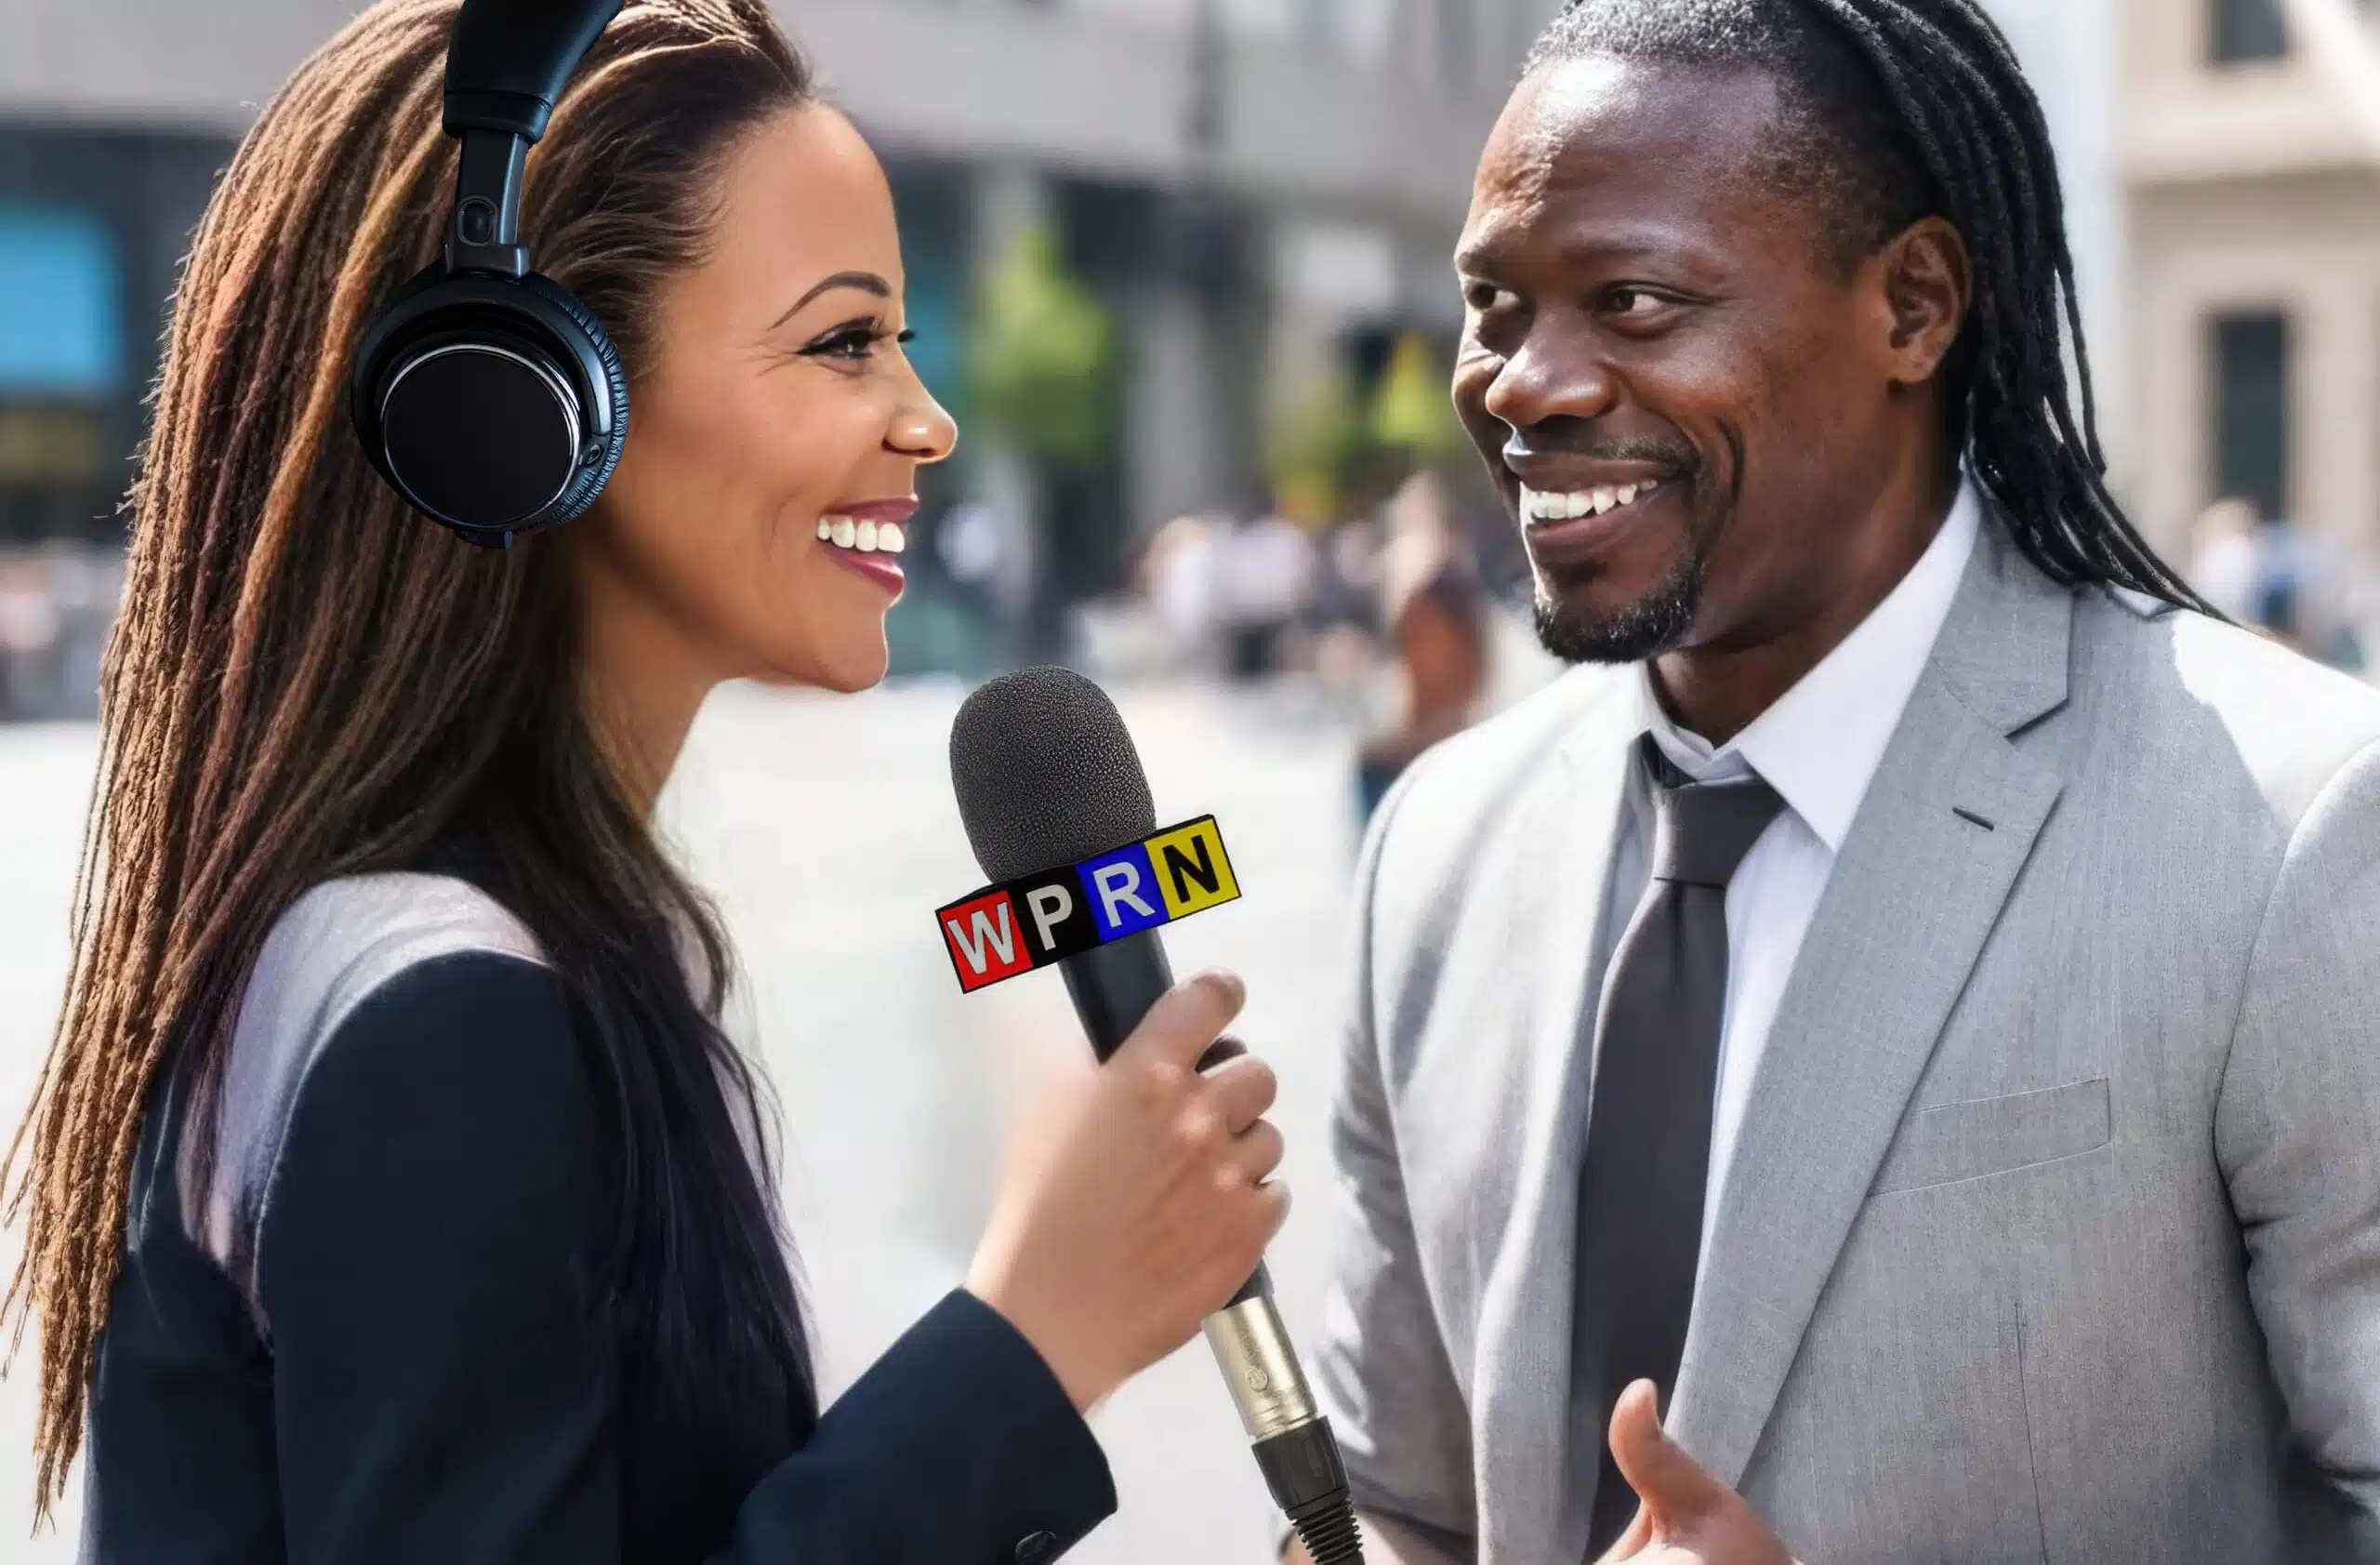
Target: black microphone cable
x: 1047, y: 776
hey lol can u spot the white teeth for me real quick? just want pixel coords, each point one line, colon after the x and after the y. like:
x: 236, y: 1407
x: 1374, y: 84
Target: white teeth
x: 1539, y: 506
x: 868, y: 538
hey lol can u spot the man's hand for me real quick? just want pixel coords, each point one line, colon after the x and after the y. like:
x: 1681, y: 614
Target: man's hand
x: 1684, y: 1516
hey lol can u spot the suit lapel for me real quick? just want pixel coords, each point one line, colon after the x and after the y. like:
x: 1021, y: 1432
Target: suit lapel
x: 1946, y: 826
x: 1526, y: 1503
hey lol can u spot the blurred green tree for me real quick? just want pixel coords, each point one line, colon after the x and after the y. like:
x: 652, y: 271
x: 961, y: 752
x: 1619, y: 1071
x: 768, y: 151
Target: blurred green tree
x: 1413, y: 411
x: 1042, y: 358
x: 1312, y: 449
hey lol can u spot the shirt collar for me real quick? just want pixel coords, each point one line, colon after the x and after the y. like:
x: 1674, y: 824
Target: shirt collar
x: 1821, y: 741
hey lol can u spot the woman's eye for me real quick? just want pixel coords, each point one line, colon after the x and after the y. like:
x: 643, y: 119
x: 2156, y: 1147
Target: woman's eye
x: 854, y: 343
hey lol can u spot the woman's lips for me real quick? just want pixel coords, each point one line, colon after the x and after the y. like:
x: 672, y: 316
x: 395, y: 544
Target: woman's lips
x: 897, y: 510
x: 882, y: 569
x: 867, y: 536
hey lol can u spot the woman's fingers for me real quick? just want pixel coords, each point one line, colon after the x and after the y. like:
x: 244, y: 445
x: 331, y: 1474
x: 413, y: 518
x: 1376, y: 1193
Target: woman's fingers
x: 1259, y: 1150
x: 1222, y: 1049
x: 1244, y: 1089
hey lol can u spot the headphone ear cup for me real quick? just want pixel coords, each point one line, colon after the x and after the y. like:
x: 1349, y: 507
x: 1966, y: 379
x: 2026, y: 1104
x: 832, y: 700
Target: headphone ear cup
x: 514, y: 402
x: 614, y: 385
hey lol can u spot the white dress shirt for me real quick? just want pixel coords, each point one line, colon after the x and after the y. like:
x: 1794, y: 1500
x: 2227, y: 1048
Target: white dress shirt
x: 1818, y: 747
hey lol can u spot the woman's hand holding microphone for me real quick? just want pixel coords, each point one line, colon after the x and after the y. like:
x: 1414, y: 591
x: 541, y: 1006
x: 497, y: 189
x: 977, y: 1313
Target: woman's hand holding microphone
x: 1135, y: 1200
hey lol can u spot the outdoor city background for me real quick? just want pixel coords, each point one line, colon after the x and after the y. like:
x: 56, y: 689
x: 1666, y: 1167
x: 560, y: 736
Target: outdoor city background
x: 1182, y: 269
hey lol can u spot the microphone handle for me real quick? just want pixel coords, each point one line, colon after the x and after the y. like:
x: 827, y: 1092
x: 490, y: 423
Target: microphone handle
x: 1113, y: 987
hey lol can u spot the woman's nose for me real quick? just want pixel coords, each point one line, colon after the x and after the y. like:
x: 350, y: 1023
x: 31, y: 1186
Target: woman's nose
x: 923, y: 431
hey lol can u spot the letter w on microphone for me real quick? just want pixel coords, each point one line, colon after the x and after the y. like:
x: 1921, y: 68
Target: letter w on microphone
x: 1015, y: 927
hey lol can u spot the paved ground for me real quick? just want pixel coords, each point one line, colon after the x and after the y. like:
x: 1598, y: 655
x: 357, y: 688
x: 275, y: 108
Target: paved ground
x: 827, y: 831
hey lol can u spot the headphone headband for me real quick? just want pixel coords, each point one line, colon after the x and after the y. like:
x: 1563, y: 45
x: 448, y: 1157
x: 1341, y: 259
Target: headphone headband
x: 509, y: 60
x: 505, y: 71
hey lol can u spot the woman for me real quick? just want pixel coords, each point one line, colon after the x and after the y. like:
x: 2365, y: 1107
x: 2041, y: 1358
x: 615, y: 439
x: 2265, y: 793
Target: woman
x: 393, y: 1192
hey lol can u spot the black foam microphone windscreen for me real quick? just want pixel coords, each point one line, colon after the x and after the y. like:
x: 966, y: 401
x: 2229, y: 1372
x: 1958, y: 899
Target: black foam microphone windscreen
x: 1046, y: 773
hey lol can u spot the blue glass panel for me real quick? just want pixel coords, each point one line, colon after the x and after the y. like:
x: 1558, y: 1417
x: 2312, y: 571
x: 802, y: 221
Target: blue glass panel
x: 61, y: 316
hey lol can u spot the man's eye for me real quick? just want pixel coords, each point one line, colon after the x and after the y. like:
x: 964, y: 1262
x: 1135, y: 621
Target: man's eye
x: 1484, y: 297
x: 1632, y: 302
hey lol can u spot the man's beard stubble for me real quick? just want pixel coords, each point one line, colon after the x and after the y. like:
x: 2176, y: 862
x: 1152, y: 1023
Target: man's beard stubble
x: 1653, y: 624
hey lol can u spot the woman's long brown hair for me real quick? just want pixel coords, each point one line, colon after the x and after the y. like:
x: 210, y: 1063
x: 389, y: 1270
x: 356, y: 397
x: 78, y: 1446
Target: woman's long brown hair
x: 307, y: 681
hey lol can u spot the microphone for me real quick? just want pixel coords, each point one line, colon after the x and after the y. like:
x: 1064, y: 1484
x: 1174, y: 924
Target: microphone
x: 1047, y: 776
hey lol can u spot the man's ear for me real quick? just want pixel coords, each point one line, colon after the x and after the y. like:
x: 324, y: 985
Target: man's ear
x: 1924, y: 276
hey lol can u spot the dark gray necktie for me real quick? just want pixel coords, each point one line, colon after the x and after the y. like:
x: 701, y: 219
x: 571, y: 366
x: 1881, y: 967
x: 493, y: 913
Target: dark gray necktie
x: 1648, y: 1124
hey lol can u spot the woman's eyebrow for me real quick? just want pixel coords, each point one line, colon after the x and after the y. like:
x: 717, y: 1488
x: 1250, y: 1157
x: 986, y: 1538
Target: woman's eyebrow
x: 866, y: 282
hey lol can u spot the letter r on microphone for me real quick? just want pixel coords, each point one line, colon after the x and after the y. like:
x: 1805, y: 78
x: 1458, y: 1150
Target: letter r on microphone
x: 1122, y: 888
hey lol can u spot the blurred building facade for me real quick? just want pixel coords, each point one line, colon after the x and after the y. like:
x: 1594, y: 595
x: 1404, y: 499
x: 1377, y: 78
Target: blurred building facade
x: 2251, y: 165
x: 1256, y: 191
x: 1260, y: 195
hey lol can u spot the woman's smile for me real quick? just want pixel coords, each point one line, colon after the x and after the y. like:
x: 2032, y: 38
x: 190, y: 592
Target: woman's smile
x: 865, y: 536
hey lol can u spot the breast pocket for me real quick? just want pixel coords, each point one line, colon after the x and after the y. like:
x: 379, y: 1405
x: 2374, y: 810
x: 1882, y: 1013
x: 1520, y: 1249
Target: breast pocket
x: 1955, y: 1141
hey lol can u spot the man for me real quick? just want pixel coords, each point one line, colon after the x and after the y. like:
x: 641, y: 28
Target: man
x: 1883, y: 1062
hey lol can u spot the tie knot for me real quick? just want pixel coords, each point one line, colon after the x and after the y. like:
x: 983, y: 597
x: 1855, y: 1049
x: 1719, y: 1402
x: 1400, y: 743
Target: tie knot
x: 1703, y: 830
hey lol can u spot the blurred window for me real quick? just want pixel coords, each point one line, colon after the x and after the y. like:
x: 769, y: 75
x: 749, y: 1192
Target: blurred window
x: 62, y: 367
x: 2251, y: 405
x: 61, y: 323
x: 2246, y: 29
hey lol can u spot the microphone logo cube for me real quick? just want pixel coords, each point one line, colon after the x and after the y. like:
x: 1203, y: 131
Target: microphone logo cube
x: 985, y: 938
x: 1037, y: 920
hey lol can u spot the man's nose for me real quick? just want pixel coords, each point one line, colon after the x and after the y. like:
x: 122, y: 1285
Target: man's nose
x: 1548, y: 378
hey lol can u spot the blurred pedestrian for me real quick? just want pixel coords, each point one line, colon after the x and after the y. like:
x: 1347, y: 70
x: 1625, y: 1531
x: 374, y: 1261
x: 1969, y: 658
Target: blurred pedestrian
x: 1265, y: 574
x: 2223, y: 557
x: 1177, y: 575
x: 1436, y: 620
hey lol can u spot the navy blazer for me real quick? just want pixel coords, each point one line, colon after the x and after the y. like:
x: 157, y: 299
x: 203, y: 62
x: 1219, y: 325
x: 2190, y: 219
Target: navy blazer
x: 368, y: 1338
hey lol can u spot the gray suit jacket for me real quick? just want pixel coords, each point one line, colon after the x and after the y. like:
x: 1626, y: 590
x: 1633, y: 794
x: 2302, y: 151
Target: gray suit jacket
x: 2053, y: 1231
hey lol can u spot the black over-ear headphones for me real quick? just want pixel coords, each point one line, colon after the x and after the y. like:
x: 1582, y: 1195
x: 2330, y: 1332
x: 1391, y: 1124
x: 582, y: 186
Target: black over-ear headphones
x: 484, y: 393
